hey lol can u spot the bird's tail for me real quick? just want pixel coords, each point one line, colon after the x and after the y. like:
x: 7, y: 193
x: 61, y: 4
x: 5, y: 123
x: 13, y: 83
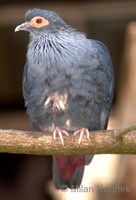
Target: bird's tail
x: 68, y: 171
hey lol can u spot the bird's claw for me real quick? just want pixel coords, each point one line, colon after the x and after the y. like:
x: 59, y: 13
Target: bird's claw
x: 81, y: 132
x: 59, y: 132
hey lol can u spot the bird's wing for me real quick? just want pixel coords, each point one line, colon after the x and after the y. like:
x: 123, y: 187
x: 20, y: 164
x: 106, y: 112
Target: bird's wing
x: 105, y: 59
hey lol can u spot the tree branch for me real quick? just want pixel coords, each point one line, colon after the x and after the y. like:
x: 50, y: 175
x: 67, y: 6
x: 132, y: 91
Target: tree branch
x: 121, y: 141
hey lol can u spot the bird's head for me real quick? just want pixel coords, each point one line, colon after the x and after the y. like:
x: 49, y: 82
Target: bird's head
x: 40, y: 21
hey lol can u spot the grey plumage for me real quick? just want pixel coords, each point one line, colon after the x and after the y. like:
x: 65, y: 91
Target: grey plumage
x: 68, y: 80
x: 76, y: 78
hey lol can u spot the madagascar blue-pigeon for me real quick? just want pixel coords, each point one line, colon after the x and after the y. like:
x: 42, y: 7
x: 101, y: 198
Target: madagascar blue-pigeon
x: 67, y: 85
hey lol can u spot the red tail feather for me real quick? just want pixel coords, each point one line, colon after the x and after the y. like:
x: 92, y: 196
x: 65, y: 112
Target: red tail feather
x: 68, y: 164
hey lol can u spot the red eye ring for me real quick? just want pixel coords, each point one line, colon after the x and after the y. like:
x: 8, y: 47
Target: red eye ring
x: 38, y: 22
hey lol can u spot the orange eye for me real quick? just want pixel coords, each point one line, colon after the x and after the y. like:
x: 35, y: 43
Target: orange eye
x: 39, y: 22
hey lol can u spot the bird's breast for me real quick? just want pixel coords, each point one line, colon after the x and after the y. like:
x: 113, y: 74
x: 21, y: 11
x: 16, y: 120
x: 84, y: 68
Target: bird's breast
x: 58, y: 102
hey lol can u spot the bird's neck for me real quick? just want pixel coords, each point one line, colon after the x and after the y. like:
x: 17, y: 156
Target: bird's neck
x: 55, y: 47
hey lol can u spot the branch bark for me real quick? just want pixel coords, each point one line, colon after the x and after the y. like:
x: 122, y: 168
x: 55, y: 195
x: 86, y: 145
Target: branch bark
x: 121, y: 141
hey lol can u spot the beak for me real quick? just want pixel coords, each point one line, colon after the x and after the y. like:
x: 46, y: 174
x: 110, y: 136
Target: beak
x: 22, y: 27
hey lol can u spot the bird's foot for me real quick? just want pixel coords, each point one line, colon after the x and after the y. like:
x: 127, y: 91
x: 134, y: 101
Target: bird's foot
x: 58, y: 131
x: 81, y: 132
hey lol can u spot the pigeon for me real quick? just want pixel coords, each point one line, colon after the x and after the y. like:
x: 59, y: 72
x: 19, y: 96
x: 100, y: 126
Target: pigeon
x: 68, y: 85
